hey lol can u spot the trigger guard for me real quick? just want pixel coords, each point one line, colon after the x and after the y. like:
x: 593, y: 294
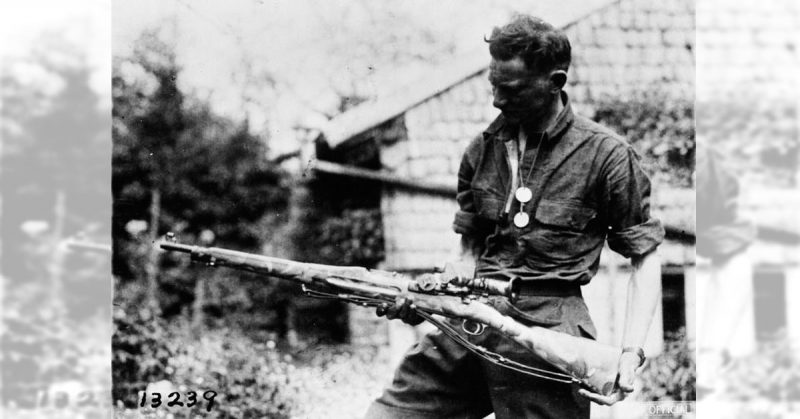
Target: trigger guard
x: 476, y: 331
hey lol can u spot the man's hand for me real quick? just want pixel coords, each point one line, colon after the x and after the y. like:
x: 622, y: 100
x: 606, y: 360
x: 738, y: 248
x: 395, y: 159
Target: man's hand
x: 402, y: 309
x: 458, y: 269
x: 628, y: 363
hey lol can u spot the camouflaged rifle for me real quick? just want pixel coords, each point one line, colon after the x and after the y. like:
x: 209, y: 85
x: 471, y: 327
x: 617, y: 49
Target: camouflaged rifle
x: 587, y: 362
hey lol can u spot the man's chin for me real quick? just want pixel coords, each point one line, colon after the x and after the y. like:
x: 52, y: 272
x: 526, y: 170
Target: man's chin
x: 511, y: 117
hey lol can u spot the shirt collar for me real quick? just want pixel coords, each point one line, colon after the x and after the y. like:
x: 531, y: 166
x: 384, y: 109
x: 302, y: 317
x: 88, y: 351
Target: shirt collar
x: 504, y: 131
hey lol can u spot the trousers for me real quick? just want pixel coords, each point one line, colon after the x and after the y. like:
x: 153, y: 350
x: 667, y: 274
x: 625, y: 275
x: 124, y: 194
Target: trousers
x: 439, y: 378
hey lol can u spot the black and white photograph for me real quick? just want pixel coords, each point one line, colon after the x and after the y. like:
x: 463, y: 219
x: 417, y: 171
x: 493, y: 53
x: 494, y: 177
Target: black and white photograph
x: 355, y: 209
x: 367, y: 209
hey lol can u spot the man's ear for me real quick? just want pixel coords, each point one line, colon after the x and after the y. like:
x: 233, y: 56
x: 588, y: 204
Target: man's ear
x: 559, y: 79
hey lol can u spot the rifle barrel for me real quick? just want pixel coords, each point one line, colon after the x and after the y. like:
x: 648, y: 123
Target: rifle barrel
x: 177, y: 247
x: 310, y: 273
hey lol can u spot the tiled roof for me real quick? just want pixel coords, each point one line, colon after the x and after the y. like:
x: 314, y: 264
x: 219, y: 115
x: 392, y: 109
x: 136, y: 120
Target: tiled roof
x: 747, y: 85
x: 624, y: 46
x: 748, y: 45
x: 430, y: 83
x: 628, y: 44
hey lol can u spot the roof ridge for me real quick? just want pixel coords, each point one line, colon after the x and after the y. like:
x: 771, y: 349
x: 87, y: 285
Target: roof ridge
x: 379, y: 110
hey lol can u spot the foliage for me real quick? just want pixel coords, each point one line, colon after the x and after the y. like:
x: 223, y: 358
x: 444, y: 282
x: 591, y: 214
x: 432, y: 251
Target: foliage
x: 251, y: 379
x: 215, y: 182
x: 659, y: 127
x: 212, y: 174
x: 142, y: 350
x: 758, y: 135
x: 771, y: 373
x: 354, y: 238
x: 54, y: 186
x: 670, y: 376
x: 39, y: 350
x: 764, y: 384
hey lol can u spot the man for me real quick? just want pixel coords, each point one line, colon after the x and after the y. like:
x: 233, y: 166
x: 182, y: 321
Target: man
x: 539, y: 192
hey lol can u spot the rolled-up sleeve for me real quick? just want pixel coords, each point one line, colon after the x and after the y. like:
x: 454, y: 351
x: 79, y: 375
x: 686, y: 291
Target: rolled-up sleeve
x: 632, y: 231
x: 721, y: 232
x: 466, y: 220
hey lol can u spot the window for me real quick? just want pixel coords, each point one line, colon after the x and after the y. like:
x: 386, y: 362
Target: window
x: 673, y: 299
x: 769, y: 285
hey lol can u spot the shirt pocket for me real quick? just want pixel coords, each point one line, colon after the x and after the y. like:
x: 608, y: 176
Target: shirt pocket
x: 489, y: 204
x: 561, y: 236
x: 564, y: 214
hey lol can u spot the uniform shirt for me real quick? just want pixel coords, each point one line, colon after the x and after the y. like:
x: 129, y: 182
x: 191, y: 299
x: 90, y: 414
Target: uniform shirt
x: 587, y: 186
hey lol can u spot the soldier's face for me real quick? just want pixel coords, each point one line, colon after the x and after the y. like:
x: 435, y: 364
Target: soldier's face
x: 518, y: 91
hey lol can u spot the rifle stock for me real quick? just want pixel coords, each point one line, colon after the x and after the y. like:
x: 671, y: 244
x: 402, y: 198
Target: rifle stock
x: 588, y: 362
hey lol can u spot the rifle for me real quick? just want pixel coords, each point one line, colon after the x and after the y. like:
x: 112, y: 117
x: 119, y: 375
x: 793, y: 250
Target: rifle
x: 591, y: 364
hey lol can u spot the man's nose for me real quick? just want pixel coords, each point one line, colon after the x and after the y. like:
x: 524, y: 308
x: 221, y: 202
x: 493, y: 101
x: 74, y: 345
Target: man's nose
x: 499, y: 101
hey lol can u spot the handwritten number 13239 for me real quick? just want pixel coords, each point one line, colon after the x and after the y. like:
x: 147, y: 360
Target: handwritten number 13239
x: 174, y: 399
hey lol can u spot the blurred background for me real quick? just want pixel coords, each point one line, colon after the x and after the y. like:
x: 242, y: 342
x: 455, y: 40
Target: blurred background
x: 217, y: 112
x: 55, y: 218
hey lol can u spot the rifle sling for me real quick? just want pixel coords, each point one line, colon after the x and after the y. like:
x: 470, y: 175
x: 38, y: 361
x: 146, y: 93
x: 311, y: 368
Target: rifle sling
x: 480, y: 351
x: 494, y: 357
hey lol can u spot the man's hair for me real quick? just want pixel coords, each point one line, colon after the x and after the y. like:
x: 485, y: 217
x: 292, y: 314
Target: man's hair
x: 540, y: 45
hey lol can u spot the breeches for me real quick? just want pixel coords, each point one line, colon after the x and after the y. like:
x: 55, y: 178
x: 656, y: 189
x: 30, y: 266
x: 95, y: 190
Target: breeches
x: 438, y: 378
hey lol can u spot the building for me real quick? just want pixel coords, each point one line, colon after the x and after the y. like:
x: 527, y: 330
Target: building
x: 747, y: 84
x: 412, y: 142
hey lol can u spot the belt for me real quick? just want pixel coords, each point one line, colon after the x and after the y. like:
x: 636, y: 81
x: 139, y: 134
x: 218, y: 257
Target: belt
x: 549, y: 288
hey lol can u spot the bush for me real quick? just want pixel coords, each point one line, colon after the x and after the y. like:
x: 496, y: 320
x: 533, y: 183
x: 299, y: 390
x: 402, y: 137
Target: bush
x: 354, y: 238
x: 670, y: 376
x: 660, y: 128
x: 759, y: 137
x: 772, y: 373
x: 251, y: 379
x: 141, y: 350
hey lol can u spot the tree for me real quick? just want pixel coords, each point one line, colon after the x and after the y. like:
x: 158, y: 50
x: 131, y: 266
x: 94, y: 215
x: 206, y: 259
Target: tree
x: 660, y: 128
x: 54, y: 171
x: 179, y: 167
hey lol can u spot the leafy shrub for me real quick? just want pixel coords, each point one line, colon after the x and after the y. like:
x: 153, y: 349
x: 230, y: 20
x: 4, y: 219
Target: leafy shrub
x: 213, y: 180
x: 771, y: 373
x: 353, y: 238
x: 762, y: 385
x: 141, y: 350
x: 671, y: 375
x: 251, y: 379
x: 40, y: 350
x: 660, y: 128
x: 758, y: 135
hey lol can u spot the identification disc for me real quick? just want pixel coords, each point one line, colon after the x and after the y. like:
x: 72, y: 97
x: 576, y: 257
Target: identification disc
x: 521, y: 219
x: 523, y: 194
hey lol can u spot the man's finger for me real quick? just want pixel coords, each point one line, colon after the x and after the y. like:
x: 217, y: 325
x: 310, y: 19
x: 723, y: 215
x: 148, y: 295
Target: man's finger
x: 381, y: 309
x: 626, y: 381
x: 402, y: 311
x: 627, y: 374
x: 392, y: 312
x: 600, y: 399
x: 401, y: 308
